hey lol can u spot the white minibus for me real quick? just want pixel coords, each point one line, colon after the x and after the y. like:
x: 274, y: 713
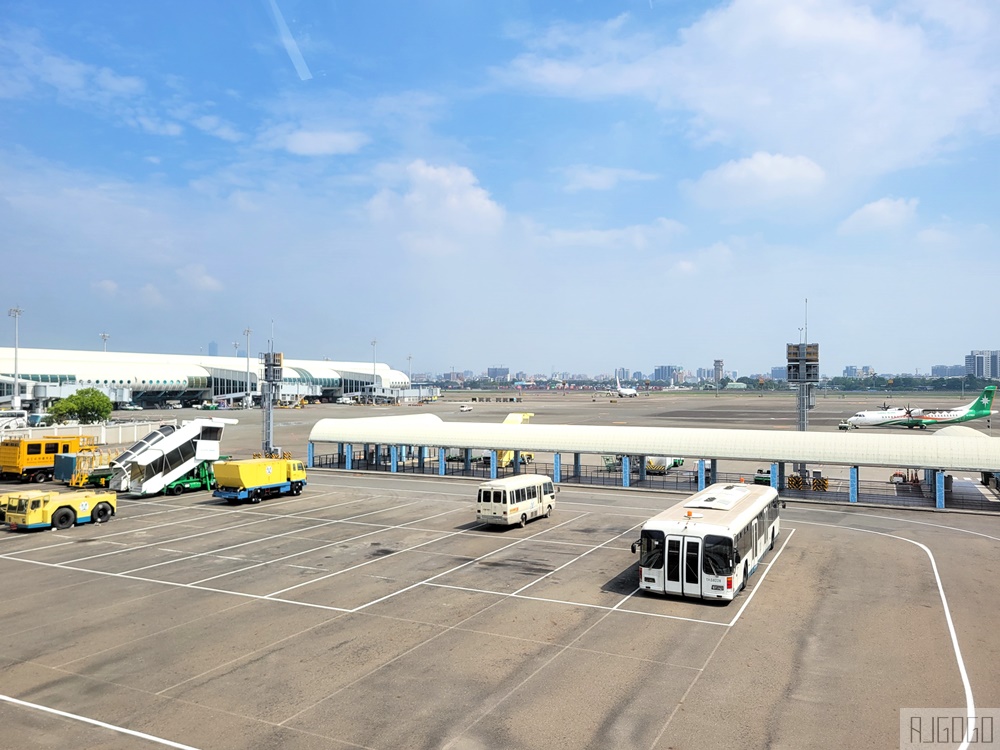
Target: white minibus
x: 515, y: 499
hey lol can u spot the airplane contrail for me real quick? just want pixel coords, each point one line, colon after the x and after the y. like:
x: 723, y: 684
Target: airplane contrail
x: 289, y: 41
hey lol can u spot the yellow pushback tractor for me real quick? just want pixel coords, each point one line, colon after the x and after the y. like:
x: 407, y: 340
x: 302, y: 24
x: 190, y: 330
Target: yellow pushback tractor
x: 58, y: 510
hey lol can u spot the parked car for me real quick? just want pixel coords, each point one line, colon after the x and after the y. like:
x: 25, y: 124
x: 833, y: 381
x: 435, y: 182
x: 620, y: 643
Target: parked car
x: 465, y: 407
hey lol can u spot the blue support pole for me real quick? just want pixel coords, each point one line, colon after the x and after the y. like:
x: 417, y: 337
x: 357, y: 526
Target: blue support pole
x: 393, y: 458
x: 422, y: 458
x: 468, y: 459
x: 310, y: 452
x: 701, y: 473
x: 348, y: 455
x: 713, y: 471
x: 781, y: 476
x: 556, y: 467
x: 642, y: 469
x: 493, y: 464
x: 626, y: 471
x: 577, y: 465
x: 377, y: 454
x: 517, y: 462
x: 774, y: 475
x: 441, y: 462
x: 854, y: 484
x: 340, y: 454
x: 938, y: 488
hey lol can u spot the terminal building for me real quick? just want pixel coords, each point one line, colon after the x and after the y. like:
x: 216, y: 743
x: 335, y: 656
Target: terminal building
x: 161, y: 380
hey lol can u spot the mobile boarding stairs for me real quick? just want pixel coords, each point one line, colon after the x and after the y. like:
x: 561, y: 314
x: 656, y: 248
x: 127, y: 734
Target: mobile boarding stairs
x: 165, y: 454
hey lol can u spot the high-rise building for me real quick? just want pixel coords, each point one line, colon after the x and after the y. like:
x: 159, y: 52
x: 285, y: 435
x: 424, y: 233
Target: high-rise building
x: 947, y: 371
x: 213, y: 349
x: 498, y: 373
x: 779, y: 373
x: 983, y: 363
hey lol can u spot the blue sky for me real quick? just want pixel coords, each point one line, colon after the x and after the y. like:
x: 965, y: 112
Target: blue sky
x: 569, y: 185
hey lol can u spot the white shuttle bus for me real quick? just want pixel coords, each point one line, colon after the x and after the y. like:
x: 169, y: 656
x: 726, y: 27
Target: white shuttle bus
x: 708, y: 545
x: 515, y: 499
x: 13, y: 419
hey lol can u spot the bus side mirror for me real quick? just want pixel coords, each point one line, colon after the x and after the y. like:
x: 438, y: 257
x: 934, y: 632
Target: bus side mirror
x: 634, y: 545
x: 736, y: 557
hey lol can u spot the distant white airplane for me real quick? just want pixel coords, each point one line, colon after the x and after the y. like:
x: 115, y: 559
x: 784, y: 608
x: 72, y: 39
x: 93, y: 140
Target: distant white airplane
x: 624, y: 392
x: 911, y: 418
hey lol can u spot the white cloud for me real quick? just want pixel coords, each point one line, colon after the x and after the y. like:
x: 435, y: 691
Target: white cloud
x: 214, y: 125
x: 197, y: 277
x: 659, y: 235
x: 585, y: 177
x: 443, y: 210
x: 324, y: 142
x: 105, y: 286
x: 881, y: 215
x: 869, y: 89
x: 151, y: 295
x: 760, y: 180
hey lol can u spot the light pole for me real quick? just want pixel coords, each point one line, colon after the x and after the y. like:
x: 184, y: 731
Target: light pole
x: 105, y: 337
x: 236, y: 348
x: 15, y: 400
x: 248, y: 402
x: 374, y: 376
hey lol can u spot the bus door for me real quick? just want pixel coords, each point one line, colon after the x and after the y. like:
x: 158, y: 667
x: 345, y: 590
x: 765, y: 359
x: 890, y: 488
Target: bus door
x: 755, y: 553
x: 692, y: 566
x: 672, y: 582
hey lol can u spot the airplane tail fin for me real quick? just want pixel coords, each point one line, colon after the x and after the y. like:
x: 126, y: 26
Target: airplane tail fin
x: 982, y: 405
x: 518, y: 417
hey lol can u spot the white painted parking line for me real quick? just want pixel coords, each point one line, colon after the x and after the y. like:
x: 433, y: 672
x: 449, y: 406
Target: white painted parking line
x: 578, y: 557
x: 96, y: 723
x: 465, y: 564
x: 970, y: 702
x: 380, y: 530
x: 262, y: 540
x: 763, y: 575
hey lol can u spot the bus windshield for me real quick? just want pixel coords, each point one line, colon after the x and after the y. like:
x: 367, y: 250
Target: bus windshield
x: 717, y: 559
x: 651, y: 549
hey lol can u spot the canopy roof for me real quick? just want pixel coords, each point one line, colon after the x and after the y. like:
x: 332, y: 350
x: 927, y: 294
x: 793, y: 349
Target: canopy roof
x: 835, y: 448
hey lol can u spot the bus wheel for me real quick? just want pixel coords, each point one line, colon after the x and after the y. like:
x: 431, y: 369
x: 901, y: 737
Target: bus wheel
x: 548, y: 512
x: 745, y: 574
x: 772, y: 539
x: 296, y: 488
x: 63, y: 519
x: 102, y: 512
x: 255, y: 496
x: 177, y: 489
x: 524, y: 520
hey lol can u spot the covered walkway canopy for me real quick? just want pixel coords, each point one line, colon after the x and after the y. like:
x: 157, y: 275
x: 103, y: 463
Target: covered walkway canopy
x: 968, y: 452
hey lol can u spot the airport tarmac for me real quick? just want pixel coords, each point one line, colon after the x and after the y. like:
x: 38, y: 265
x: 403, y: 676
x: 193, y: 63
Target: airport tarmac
x: 373, y: 612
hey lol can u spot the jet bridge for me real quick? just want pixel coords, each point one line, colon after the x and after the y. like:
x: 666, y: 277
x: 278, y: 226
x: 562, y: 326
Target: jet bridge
x: 166, y: 454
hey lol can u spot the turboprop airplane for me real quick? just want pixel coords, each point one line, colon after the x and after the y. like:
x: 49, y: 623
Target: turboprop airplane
x: 910, y: 417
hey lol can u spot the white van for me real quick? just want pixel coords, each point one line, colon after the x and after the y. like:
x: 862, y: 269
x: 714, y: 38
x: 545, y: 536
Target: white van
x: 515, y: 499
